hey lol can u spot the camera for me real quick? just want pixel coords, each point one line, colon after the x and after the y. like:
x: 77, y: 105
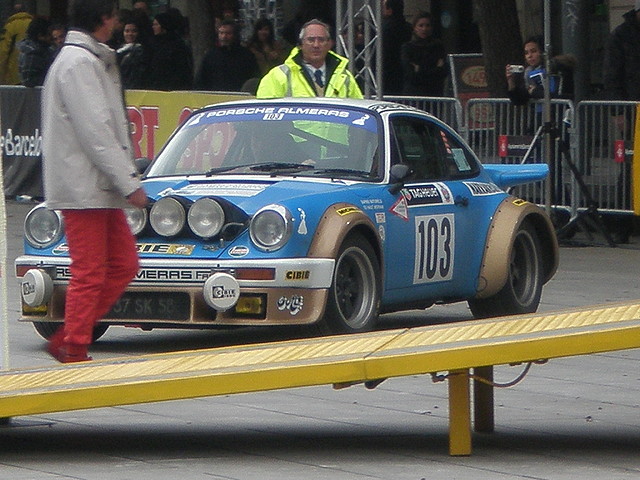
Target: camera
x: 516, y: 69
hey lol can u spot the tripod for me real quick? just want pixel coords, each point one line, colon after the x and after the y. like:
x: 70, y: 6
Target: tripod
x: 585, y: 219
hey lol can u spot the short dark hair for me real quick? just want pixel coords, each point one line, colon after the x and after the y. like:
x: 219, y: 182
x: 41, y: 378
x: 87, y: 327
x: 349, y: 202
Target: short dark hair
x: 38, y: 26
x: 87, y: 14
x: 396, y: 5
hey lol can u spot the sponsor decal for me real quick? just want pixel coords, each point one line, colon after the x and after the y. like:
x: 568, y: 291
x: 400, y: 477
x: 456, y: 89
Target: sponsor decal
x: 297, y: 275
x: 293, y: 304
x: 395, y: 106
x: 381, y: 217
x: 239, y: 251
x: 21, y: 145
x: 474, y: 76
x: 219, y: 291
x: 479, y: 189
x: 362, y: 120
x: 152, y: 275
x: 372, y: 204
x: 302, y: 229
x: 382, y: 232
x: 518, y: 202
x: 61, y: 249
x: 221, y: 189
x: 400, y: 208
x: 165, y: 248
x: 513, y: 145
x: 347, y: 211
x: 424, y: 195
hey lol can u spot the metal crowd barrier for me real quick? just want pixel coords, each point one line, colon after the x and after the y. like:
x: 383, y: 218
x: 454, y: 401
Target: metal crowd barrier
x: 449, y: 110
x: 604, y: 138
x: 598, y: 135
x: 500, y: 132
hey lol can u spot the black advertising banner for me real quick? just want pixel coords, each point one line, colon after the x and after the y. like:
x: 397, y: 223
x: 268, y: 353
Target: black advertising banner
x: 21, y: 141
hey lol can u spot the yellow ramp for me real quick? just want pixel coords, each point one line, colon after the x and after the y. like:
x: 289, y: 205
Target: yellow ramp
x: 453, y: 348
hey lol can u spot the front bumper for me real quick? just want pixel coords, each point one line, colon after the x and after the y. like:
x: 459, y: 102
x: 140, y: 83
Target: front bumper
x: 168, y: 292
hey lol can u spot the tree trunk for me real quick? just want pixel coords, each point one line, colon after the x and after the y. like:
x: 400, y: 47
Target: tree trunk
x: 201, y: 28
x: 501, y: 40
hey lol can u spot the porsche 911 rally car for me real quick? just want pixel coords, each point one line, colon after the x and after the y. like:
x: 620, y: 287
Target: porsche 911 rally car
x: 312, y: 212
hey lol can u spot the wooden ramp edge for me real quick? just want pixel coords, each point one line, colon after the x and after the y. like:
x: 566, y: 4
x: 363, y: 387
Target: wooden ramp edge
x: 343, y: 359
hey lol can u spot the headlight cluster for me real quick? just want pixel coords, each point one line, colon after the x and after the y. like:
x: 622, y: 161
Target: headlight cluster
x: 43, y: 227
x: 169, y: 216
x: 271, y: 227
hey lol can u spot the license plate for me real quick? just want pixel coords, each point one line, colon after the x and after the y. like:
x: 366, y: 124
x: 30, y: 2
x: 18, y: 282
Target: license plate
x: 151, y: 306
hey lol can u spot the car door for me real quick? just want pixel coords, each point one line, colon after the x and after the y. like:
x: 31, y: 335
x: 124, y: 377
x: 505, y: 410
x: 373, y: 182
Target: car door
x: 436, y: 227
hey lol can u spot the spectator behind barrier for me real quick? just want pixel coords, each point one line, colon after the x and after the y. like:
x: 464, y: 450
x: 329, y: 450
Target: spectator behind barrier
x: 36, y: 53
x: 14, y: 31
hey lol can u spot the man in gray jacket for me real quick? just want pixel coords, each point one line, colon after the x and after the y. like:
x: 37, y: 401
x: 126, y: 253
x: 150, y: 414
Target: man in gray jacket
x: 89, y: 173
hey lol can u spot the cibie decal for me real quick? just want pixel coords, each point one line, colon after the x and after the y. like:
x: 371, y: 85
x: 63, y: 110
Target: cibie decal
x: 347, y: 210
x: 297, y: 275
x: 293, y: 304
x: 239, y: 251
x: 400, y: 208
x: 479, y: 189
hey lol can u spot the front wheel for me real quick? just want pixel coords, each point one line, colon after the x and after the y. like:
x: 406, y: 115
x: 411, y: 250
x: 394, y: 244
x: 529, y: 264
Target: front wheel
x: 523, y: 289
x: 354, y: 296
x: 46, y: 329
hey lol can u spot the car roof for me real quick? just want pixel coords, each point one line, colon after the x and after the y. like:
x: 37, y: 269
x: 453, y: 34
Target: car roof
x: 370, y: 104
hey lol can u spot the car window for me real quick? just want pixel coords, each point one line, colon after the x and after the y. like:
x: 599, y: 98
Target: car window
x: 419, y: 145
x: 432, y: 152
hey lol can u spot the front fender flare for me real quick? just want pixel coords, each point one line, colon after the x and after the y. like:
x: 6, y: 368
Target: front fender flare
x: 507, y: 219
x: 336, y: 223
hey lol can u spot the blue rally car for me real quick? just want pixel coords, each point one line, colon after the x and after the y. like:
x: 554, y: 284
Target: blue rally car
x: 312, y: 212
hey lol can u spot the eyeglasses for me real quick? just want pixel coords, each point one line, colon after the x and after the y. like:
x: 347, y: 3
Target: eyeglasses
x: 312, y: 40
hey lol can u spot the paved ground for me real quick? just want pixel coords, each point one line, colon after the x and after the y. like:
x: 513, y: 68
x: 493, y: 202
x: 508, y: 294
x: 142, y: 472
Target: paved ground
x: 573, y: 418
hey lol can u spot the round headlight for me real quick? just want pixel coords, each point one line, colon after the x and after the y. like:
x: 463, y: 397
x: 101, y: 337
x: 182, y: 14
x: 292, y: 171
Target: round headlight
x: 42, y: 227
x: 205, y: 218
x: 136, y: 218
x: 271, y: 227
x: 167, y: 217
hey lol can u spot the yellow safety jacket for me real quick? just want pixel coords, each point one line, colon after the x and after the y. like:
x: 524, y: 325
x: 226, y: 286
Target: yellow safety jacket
x: 291, y: 79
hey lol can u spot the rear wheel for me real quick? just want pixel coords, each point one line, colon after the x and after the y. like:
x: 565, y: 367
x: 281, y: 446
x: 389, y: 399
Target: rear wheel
x: 522, y: 292
x: 354, y: 295
x: 46, y: 329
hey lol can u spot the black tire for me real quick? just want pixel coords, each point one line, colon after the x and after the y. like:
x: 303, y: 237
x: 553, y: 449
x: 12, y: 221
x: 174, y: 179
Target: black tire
x: 522, y: 292
x: 354, y: 296
x: 46, y: 329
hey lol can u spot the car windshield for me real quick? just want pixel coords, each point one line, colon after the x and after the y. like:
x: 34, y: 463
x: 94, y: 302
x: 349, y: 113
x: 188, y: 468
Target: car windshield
x: 274, y: 140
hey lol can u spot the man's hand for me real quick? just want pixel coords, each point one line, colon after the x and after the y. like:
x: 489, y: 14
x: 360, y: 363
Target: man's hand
x: 138, y: 198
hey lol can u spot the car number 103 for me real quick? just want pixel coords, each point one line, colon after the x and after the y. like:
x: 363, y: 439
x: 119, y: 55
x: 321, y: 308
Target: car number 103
x: 435, y: 246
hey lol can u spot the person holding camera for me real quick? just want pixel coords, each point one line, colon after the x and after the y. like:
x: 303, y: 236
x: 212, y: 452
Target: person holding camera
x: 526, y: 82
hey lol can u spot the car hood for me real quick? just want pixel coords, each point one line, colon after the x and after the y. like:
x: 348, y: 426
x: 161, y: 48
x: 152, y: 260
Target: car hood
x: 249, y: 194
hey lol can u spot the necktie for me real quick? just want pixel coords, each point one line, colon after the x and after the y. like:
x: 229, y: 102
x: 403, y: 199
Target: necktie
x: 318, y: 75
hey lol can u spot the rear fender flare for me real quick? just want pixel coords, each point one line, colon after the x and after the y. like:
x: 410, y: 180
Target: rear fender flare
x: 506, y: 221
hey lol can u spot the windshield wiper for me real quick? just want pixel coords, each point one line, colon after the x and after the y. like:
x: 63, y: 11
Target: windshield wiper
x: 278, y: 166
x: 342, y: 172
x: 228, y: 168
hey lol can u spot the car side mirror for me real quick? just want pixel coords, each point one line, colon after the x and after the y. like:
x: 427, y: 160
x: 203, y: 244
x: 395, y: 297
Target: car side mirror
x: 399, y: 173
x: 142, y: 163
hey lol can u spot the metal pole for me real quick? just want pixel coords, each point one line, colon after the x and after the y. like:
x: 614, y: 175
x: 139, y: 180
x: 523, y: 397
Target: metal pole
x: 547, y: 103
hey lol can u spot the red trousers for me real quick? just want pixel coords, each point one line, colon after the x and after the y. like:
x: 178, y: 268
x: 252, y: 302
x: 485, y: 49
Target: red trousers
x: 103, y: 262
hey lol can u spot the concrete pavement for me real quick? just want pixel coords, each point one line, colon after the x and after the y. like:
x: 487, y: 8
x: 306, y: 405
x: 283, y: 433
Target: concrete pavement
x: 573, y: 418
